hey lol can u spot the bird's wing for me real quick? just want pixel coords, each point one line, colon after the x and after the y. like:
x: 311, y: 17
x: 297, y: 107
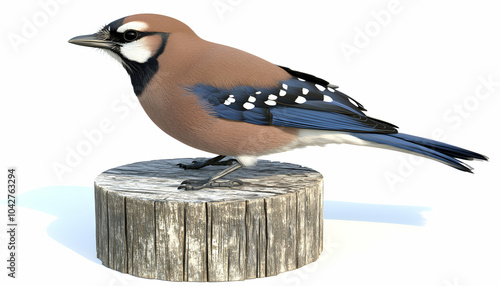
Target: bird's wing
x: 303, y: 101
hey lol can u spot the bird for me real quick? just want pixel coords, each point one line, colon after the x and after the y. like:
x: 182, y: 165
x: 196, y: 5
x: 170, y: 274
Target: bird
x: 228, y: 102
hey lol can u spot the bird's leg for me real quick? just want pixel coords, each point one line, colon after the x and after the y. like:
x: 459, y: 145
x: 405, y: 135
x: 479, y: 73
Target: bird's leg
x: 195, y: 165
x: 211, y: 182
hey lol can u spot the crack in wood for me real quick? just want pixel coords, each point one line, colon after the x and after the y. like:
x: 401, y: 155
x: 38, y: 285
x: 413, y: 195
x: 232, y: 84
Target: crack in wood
x: 209, y: 225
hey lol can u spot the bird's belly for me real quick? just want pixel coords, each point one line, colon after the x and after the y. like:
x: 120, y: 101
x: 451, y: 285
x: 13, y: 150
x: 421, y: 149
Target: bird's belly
x: 187, y: 121
x: 228, y: 137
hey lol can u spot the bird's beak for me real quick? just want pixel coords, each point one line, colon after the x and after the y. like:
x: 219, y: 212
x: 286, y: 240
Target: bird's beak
x: 92, y: 41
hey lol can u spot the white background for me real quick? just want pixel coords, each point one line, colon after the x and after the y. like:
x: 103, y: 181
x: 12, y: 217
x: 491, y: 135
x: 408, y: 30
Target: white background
x: 421, y: 65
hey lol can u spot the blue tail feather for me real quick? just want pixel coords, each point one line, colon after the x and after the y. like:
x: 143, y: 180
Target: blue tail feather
x: 441, y: 147
x: 442, y: 152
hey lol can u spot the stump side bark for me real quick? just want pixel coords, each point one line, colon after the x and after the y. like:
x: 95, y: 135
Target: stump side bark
x: 148, y: 228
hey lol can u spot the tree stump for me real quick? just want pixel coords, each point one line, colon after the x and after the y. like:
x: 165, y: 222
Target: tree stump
x: 146, y: 227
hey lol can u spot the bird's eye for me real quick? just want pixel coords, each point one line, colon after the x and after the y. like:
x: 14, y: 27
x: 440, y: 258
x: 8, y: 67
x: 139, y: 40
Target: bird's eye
x: 130, y: 35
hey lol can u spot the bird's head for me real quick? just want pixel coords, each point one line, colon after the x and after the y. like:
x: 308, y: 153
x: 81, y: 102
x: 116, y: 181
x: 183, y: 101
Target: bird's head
x: 136, y: 42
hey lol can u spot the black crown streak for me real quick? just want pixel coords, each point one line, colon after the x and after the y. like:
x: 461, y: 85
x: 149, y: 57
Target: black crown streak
x: 113, y: 26
x: 142, y: 73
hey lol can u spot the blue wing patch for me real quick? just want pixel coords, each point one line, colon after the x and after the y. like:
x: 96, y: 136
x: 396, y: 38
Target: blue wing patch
x: 293, y: 103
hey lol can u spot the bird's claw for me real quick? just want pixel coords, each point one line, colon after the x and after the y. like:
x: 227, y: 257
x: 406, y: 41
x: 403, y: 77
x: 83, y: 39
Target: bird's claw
x: 195, y: 165
x: 190, y: 185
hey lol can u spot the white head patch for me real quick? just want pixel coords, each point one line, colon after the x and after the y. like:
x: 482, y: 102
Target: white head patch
x: 136, y: 25
x: 137, y: 51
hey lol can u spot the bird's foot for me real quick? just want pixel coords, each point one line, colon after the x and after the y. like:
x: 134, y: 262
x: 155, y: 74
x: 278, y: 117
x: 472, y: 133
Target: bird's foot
x: 190, y: 185
x: 195, y: 165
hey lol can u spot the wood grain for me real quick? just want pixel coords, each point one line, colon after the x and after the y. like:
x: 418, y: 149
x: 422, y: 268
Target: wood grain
x: 146, y: 227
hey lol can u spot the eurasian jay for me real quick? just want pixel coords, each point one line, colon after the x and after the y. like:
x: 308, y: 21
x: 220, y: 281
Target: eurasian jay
x: 225, y: 101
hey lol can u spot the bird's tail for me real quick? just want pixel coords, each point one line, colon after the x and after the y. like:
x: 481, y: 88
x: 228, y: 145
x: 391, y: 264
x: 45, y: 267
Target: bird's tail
x: 442, y: 152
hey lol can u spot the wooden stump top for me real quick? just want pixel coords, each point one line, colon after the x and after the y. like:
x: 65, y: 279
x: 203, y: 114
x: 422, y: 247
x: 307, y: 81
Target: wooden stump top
x: 147, y: 227
x: 159, y: 179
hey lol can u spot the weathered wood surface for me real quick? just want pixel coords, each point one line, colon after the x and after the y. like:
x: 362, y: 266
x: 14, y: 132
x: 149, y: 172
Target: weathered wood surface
x: 145, y: 226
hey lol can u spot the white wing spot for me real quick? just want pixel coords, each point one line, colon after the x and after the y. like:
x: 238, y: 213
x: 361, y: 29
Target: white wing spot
x: 248, y: 105
x: 300, y: 99
x: 301, y: 79
x: 270, y: 102
x: 284, y: 86
x: 305, y: 91
x: 326, y: 98
x: 251, y: 98
x: 258, y: 92
x: 331, y: 89
x: 272, y: 97
x: 282, y: 92
x: 333, y: 86
x: 230, y: 99
x: 227, y: 102
x: 320, y: 87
